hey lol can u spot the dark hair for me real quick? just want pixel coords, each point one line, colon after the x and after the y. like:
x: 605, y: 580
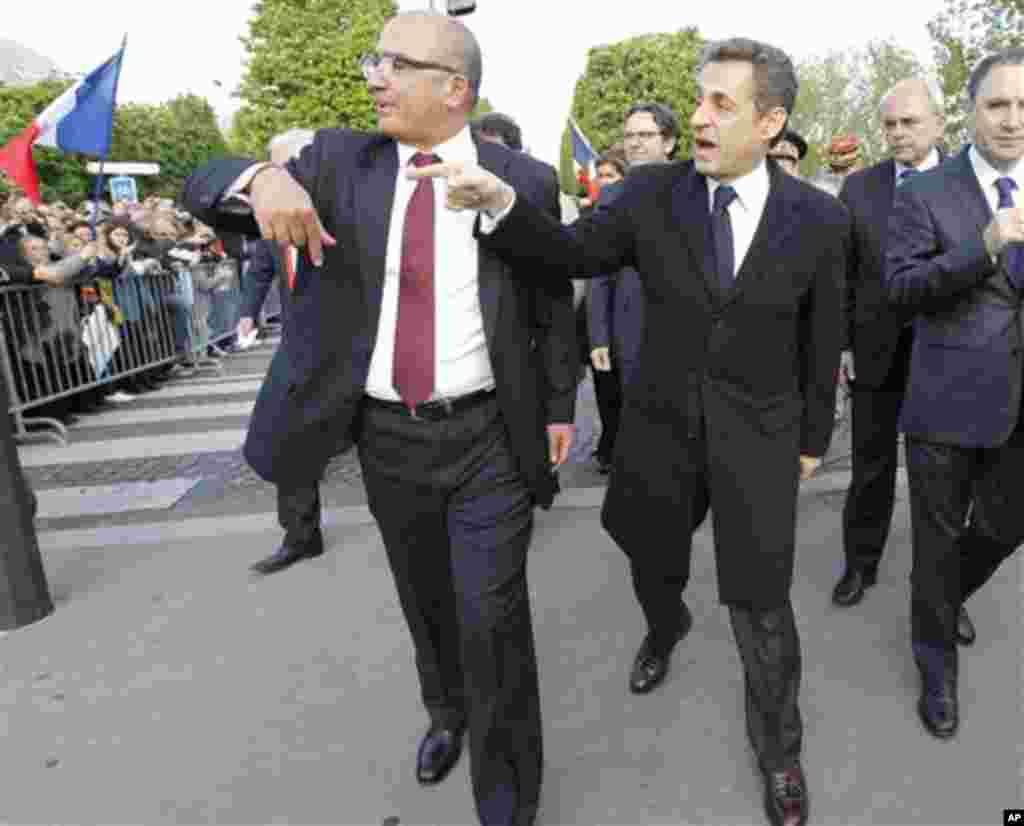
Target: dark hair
x: 664, y: 118
x: 120, y: 223
x: 503, y: 126
x: 1007, y: 57
x: 775, y: 81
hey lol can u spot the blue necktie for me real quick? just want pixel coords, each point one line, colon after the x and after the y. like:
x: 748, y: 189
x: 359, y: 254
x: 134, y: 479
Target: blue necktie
x: 1014, y: 254
x: 721, y: 234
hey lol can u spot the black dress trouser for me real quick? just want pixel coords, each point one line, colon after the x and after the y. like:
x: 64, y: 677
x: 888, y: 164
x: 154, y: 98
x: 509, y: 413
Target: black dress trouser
x: 456, y: 517
x: 766, y: 638
x: 967, y: 515
x: 867, y: 512
x: 298, y: 512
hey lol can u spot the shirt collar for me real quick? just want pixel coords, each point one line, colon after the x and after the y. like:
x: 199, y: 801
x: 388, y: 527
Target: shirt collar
x: 931, y: 160
x: 988, y: 175
x: 459, y: 147
x: 751, y: 189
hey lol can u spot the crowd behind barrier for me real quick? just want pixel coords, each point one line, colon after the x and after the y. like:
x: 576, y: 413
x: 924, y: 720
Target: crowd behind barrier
x: 104, y: 312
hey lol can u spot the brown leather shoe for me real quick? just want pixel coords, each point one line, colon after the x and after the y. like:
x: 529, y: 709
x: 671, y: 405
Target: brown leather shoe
x: 785, y: 797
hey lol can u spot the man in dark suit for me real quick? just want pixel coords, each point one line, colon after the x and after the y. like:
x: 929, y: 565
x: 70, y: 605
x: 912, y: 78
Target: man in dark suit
x: 298, y: 503
x: 733, y: 253
x: 616, y: 302
x: 877, y: 353
x: 955, y: 263
x: 457, y: 386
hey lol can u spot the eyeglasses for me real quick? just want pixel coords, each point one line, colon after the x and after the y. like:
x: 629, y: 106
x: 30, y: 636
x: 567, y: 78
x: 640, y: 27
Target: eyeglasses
x: 644, y: 136
x: 397, y: 64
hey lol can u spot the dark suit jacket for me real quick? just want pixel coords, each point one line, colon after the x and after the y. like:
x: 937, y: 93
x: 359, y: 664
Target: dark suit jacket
x: 755, y: 367
x: 965, y: 367
x: 615, y: 306
x: 873, y: 327
x: 307, y: 409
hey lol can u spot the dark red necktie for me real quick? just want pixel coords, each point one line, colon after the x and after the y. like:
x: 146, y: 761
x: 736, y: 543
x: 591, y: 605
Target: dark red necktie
x: 413, y: 366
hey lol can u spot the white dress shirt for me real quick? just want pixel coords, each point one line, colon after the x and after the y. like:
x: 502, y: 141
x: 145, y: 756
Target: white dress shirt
x: 987, y: 176
x: 930, y: 161
x: 746, y: 209
x: 461, y: 360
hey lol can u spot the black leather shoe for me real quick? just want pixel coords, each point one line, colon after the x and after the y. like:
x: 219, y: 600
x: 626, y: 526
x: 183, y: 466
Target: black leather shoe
x: 651, y: 663
x: 850, y: 589
x: 965, y: 633
x: 938, y: 706
x: 785, y: 797
x: 288, y: 555
x: 438, y: 752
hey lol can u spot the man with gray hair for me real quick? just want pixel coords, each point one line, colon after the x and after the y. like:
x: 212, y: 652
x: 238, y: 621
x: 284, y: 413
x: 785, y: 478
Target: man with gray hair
x: 736, y: 254
x: 955, y: 264
x: 298, y: 503
x: 878, y: 342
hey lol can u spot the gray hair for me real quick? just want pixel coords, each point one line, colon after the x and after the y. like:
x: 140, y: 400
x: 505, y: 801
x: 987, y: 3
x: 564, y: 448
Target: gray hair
x: 775, y: 81
x: 932, y: 90
x: 1007, y: 57
x: 294, y: 140
x: 470, y: 57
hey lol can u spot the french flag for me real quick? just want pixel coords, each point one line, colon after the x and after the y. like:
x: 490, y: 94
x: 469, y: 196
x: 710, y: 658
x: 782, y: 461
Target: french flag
x: 584, y: 160
x: 80, y: 120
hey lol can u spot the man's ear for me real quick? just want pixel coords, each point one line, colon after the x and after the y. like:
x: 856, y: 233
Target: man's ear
x: 772, y: 123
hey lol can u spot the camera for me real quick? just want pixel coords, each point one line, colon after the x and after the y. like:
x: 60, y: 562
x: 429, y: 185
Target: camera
x: 457, y: 7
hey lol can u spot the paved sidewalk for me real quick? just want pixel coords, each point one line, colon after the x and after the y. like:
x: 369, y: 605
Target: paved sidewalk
x: 170, y: 687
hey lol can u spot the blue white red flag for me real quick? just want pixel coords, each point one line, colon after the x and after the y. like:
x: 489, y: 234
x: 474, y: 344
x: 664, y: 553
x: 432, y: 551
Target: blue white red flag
x: 584, y: 160
x: 80, y: 120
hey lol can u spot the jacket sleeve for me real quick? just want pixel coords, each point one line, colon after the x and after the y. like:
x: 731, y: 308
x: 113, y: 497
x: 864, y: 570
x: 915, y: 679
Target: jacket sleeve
x: 538, y: 246
x: 822, y: 338
x: 555, y: 331
x: 599, y: 311
x: 921, y: 275
x: 204, y: 190
x: 853, y: 272
x: 258, y: 278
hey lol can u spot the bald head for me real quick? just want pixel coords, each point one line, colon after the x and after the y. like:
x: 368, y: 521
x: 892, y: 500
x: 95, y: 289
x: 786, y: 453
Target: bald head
x: 450, y: 43
x: 911, y: 119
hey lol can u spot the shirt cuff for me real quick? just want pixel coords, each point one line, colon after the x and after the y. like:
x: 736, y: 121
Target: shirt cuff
x: 234, y: 198
x: 489, y: 222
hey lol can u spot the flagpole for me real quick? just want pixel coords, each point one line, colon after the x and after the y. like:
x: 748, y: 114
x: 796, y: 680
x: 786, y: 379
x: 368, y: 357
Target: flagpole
x: 98, y: 189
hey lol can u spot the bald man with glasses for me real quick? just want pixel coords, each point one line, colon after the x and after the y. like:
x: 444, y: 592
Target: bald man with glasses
x: 455, y: 381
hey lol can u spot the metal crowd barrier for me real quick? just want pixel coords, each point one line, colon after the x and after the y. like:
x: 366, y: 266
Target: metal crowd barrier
x: 57, y: 342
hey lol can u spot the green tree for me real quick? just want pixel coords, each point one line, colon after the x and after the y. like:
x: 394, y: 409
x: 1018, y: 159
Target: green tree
x: 962, y: 34
x: 654, y: 67
x: 302, y: 68
x: 840, y: 93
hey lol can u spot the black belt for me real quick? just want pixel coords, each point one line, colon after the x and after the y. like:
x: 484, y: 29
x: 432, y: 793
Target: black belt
x: 435, y: 409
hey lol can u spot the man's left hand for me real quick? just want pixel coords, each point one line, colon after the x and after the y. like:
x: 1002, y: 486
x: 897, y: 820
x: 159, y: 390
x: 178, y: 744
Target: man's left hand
x: 560, y: 438
x: 809, y: 466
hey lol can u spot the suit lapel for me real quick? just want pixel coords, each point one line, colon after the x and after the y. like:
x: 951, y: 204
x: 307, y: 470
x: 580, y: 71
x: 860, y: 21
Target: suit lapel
x: 778, y: 221
x: 691, y: 206
x: 374, y: 198
x: 973, y: 200
x: 495, y: 160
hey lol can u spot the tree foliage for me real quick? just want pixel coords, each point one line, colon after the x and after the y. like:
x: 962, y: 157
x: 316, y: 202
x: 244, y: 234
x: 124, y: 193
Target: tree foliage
x: 963, y: 33
x: 302, y: 68
x: 179, y: 135
x: 655, y: 68
x: 840, y: 94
